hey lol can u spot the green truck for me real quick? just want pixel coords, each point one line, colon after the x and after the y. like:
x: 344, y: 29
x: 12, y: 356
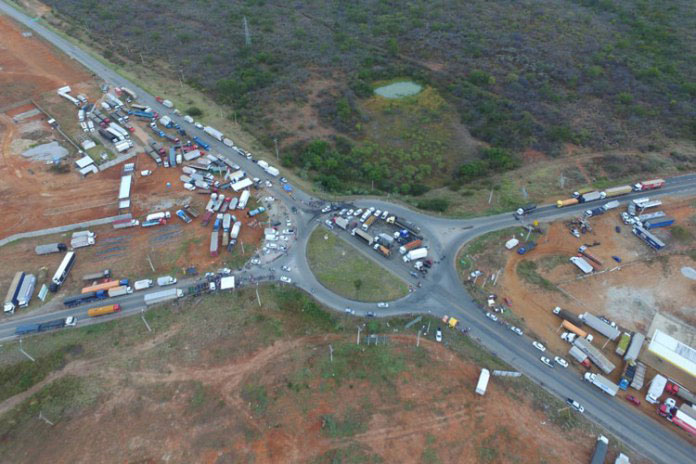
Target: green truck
x: 623, y: 343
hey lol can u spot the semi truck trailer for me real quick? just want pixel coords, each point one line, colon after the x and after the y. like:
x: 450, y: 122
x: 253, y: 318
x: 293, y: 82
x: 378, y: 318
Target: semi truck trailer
x: 601, y: 382
x: 163, y: 295
x: 50, y: 248
x: 103, y: 310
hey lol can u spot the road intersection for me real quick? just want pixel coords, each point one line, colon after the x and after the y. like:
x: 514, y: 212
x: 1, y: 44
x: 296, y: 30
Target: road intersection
x: 440, y: 293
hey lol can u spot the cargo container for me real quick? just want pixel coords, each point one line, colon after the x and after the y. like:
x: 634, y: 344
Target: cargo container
x: 577, y: 354
x: 482, y: 383
x: 645, y: 217
x: 363, y: 235
x: 658, y: 222
x: 612, y: 333
x: 104, y: 286
x: 153, y: 223
x: 622, y: 346
x: 25, y: 329
x: 385, y: 239
x: 583, y: 265
x: 568, y: 316
x: 601, y: 382
x: 600, y: 452
x: 81, y: 242
x: 62, y: 271
x: 242, y: 184
x: 12, y: 293
x: 214, y: 133
x: 418, y: 253
x: 163, y: 295
x: 634, y: 348
x: 77, y: 300
x: 568, y: 202
x: 611, y: 205
x: 119, y: 291
x: 648, y: 185
x: 572, y: 328
x: 341, y: 222
x: 657, y: 388
x: 142, y: 284
x: 616, y: 191
x: 595, y: 355
x: 214, y: 240
x: 591, y: 196
x: 639, y: 376
x: 227, y: 283
x: 50, y: 248
x: 648, y: 237
x: 105, y: 274
x: 125, y: 223
x: 366, y: 225
x: 26, y: 290
x: 103, y: 310
x: 272, y: 171
x: 410, y: 246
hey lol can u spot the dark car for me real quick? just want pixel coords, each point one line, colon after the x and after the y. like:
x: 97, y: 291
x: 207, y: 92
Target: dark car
x: 633, y: 400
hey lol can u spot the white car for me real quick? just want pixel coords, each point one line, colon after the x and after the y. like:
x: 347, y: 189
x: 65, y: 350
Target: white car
x: 269, y: 184
x: 286, y: 279
x: 189, y: 187
x: 145, y: 173
x: 539, y: 346
x: 382, y: 305
x: 349, y: 311
x: 377, y: 213
x: 71, y: 321
x: 224, y: 271
x: 358, y: 212
x: 546, y: 361
x: 517, y: 330
x: 438, y: 335
x: 577, y: 406
x: 385, y: 215
x: 350, y: 212
x: 492, y: 317
x: 286, y: 268
x: 198, y: 125
x: 560, y: 361
x: 255, y: 261
x: 326, y: 209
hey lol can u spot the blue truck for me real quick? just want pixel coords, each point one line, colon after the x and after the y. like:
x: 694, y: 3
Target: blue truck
x: 529, y: 246
x: 184, y: 217
x: 256, y: 211
x: 85, y: 298
x: 32, y: 328
x: 658, y: 222
x: 201, y: 143
x: 157, y: 131
x: 142, y: 114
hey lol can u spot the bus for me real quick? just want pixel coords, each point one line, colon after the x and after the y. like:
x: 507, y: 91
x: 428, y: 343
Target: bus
x: 63, y: 271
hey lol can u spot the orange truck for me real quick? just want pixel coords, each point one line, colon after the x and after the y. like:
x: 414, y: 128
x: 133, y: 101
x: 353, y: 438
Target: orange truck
x: 103, y: 310
x: 575, y: 329
x: 568, y: 202
x: 105, y: 286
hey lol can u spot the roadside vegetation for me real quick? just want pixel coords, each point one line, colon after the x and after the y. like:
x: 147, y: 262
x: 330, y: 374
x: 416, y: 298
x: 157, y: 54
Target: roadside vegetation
x: 342, y: 269
x: 594, y: 75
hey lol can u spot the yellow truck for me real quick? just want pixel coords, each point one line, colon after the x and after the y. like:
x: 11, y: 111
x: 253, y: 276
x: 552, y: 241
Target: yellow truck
x: 103, y: 310
x: 568, y: 202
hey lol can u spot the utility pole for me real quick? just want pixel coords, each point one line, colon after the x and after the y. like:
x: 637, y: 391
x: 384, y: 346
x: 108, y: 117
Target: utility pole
x: 21, y: 350
x: 418, y: 338
x: 331, y: 353
x: 142, y: 315
x: 357, y: 341
x: 247, y: 34
x: 275, y: 141
x: 257, y: 293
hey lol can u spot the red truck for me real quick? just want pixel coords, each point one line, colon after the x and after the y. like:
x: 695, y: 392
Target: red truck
x: 651, y: 184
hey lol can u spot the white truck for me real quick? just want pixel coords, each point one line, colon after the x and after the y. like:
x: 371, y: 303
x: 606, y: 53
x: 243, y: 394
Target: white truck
x: 163, y: 281
x: 601, y: 382
x: 163, y: 295
x: 214, y: 133
x: 482, y: 383
x: 160, y: 215
x: 142, y: 284
x: 119, y: 291
x: 243, y: 199
x: 657, y: 388
x: 228, y: 142
x: 272, y: 171
x: 418, y: 253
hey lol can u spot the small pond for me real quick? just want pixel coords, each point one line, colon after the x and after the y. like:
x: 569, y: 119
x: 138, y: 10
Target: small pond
x: 399, y: 89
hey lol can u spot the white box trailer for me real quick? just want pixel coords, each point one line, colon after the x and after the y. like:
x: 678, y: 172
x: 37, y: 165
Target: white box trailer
x: 583, y: 265
x: 228, y: 142
x: 142, y: 284
x: 26, y: 290
x: 192, y: 155
x: 634, y: 348
x: 242, y: 184
x: 612, y: 333
x: 49, y: 248
x: 657, y: 388
x: 243, y: 199
x: 214, y: 133
x: 227, y: 283
x: 413, y: 255
x: 236, y: 176
x: 272, y: 171
x: 482, y: 383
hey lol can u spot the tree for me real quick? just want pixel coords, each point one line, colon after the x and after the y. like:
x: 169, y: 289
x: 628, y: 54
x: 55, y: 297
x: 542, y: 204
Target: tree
x: 357, y: 283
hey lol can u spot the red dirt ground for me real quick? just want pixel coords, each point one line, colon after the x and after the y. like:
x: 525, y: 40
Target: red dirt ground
x: 443, y: 414
x: 31, y: 67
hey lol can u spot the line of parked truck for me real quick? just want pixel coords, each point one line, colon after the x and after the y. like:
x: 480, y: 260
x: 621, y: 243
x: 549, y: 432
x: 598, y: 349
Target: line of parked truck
x: 589, y: 194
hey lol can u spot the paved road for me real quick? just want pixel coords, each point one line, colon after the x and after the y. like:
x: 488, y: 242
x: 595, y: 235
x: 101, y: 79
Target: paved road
x: 441, y: 292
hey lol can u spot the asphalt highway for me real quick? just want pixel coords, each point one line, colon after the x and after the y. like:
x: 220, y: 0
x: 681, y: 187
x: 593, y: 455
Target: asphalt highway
x: 441, y: 292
